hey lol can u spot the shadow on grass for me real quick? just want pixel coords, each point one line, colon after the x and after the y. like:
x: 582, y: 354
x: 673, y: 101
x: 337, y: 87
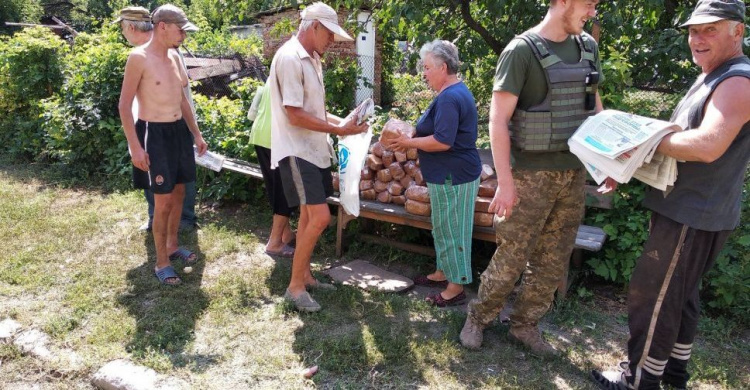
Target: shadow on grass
x: 166, y: 315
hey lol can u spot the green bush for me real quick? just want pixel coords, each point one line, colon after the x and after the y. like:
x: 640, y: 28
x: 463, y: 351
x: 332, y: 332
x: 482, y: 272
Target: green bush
x: 31, y: 65
x: 82, y: 123
x: 728, y: 281
x: 226, y: 129
x: 626, y: 225
x: 340, y: 74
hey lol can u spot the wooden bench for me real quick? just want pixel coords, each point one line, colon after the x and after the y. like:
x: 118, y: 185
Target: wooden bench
x: 589, y: 238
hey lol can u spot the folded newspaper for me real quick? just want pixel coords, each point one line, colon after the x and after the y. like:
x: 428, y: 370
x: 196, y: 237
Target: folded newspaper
x: 622, y: 146
x: 210, y: 160
x: 363, y: 111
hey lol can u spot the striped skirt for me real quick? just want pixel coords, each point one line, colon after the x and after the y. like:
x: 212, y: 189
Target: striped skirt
x: 452, y: 223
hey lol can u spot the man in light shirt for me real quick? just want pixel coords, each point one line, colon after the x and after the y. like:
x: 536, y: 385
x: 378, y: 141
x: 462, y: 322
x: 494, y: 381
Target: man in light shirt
x: 299, y: 141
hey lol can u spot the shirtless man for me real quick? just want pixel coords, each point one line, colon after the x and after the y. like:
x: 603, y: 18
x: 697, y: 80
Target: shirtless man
x: 160, y: 141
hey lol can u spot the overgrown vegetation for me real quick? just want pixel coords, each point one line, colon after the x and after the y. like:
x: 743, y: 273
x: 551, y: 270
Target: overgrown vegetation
x: 76, y: 267
x: 58, y: 103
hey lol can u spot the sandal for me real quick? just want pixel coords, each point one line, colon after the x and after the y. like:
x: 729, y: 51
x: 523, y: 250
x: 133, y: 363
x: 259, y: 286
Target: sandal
x: 167, y: 273
x: 439, y: 301
x: 422, y: 280
x: 285, y: 251
x: 606, y: 380
x: 185, y: 255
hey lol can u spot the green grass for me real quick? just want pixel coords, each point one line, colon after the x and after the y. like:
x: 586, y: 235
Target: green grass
x: 76, y: 267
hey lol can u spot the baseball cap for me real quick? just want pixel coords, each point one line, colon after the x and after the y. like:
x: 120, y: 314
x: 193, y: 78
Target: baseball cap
x: 171, y: 14
x: 709, y: 11
x: 133, y: 14
x: 327, y: 16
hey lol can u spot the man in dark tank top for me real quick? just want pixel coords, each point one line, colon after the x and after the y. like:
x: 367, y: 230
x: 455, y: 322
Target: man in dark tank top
x: 690, y: 223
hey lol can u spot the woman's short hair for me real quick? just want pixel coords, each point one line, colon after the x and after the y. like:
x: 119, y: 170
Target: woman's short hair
x: 139, y: 26
x: 443, y: 51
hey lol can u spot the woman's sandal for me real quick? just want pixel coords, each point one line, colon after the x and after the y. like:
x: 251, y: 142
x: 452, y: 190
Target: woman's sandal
x: 439, y: 301
x: 422, y: 280
x: 185, y: 255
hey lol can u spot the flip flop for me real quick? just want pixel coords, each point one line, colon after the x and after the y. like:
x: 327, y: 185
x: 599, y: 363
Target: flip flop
x: 285, y: 251
x: 167, y: 273
x: 185, y: 255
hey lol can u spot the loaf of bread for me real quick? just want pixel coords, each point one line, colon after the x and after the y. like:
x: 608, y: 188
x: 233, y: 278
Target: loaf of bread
x: 395, y: 127
x: 380, y: 186
x: 395, y: 188
x: 366, y: 174
x: 418, y: 193
x: 487, y: 188
x: 396, y: 171
x: 365, y: 185
x: 483, y: 219
x: 482, y: 205
x: 417, y: 208
x: 374, y: 162
x: 384, y: 175
x: 384, y: 197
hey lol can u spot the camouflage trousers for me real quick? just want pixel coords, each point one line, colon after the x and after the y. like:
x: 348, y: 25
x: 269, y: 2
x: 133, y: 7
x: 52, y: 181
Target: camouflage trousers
x: 535, y: 241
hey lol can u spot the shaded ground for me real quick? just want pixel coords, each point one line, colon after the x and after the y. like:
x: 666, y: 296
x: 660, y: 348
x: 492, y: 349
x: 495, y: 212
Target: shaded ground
x: 76, y: 267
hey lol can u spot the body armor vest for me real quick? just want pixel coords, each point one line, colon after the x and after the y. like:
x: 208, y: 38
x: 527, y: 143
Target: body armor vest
x: 547, y: 126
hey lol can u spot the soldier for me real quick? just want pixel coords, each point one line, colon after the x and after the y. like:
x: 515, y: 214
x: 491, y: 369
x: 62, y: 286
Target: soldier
x: 691, y: 223
x: 544, y: 87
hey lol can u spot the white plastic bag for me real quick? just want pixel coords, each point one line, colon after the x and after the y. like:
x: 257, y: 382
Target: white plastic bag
x: 352, y: 155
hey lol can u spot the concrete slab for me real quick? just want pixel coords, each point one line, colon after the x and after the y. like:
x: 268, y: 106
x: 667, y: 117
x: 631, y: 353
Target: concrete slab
x: 366, y: 276
x: 8, y: 328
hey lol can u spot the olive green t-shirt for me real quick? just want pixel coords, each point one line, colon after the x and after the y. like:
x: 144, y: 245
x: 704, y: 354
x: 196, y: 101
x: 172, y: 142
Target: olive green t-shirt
x: 520, y: 73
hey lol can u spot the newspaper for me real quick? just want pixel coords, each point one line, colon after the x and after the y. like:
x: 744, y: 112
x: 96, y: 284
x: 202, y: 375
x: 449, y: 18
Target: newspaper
x: 210, y: 160
x: 622, y: 146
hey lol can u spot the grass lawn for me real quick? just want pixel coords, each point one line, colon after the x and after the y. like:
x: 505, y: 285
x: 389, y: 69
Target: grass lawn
x: 75, y: 266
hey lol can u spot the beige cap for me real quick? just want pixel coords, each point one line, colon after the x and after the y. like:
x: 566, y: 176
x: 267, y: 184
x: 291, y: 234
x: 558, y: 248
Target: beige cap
x: 133, y: 14
x: 171, y: 14
x: 327, y: 16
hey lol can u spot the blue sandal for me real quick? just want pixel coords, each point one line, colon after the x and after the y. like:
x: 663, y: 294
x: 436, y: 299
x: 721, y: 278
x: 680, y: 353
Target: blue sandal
x: 166, y: 273
x: 185, y: 255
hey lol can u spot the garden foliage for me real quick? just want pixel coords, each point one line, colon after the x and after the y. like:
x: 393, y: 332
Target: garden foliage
x: 60, y: 103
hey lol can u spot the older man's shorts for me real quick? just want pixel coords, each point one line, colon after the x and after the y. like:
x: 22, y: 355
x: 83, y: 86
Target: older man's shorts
x: 169, y: 146
x: 304, y: 182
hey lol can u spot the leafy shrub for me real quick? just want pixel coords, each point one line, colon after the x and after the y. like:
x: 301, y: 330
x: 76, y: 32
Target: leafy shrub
x: 411, y: 97
x: 728, y: 281
x: 340, y: 74
x: 226, y: 129
x: 222, y: 43
x: 82, y: 124
x: 626, y: 225
x: 30, y: 70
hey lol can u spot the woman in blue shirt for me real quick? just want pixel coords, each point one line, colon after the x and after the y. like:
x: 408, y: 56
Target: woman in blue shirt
x: 446, y: 136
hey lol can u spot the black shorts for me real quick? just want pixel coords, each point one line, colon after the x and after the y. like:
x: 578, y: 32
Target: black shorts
x: 170, y: 151
x: 304, y: 182
x: 272, y: 180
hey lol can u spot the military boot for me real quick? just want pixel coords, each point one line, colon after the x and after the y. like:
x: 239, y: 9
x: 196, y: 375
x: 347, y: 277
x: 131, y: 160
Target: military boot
x: 472, y: 334
x: 529, y: 336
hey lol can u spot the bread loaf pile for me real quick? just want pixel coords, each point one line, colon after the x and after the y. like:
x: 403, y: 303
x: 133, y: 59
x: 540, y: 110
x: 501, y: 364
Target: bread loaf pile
x: 395, y: 177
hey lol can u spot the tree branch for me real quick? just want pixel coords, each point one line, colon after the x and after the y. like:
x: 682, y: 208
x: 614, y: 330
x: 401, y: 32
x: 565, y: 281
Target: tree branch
x: 464, y: 6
